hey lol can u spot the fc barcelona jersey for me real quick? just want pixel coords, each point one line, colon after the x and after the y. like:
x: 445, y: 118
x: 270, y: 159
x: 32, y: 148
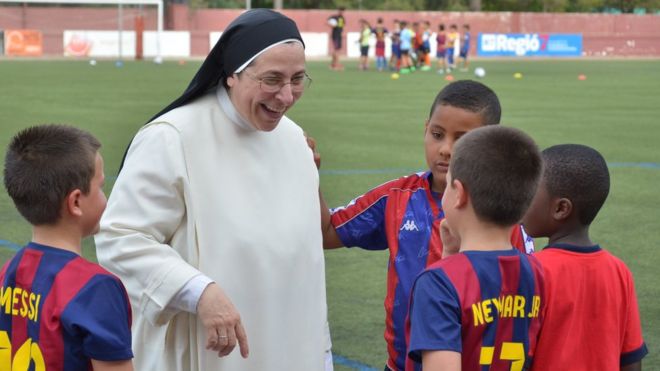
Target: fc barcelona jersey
x: 402, y: 215
x: 58, y: 311
x: 486, y: 305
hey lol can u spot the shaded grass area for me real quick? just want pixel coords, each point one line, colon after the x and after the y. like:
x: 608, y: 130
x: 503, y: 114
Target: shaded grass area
x: 369, y: 130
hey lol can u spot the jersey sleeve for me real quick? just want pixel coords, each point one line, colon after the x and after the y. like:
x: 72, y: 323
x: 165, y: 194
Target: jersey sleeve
x: 100, y: 316
x: 362, y: 222
x: 633, y: 348
x: 435, y: 315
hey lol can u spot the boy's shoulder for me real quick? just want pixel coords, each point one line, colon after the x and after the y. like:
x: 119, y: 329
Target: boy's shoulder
x: 465, y: 269
x: 457, y: 265
x: 92, y: 267
x: 409, y: 183
x: 386, y: 191
x: 563, y: 256
x: 86, y: 273
x: 66, y: 267
x: 472, y: 261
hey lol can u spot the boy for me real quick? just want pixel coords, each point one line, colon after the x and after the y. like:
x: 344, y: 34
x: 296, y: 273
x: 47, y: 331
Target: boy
x: 426, y: 45
x: 592, y: 322
x: 365, y: 36
x: 336, y: 24
x: 453, y: 44
x: 60, y: 311
x: 395, y: 57
x: 465, y: 47
x: 406, y: 48
x: 482, y: 306
x: 441, y: 41
x: 381, y: 32
x: 402, y: 215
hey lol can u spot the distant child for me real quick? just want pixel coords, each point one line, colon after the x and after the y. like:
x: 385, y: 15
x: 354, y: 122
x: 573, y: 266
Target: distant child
x: 426, y: 46
x: 441, y: 43
x: 406, y: 39
x: 403, y: 215
x: 365, y: 35
x: 336, y: 24
x: 453, y: 43
x: 60, y: 311
x: 481, y: 308
x: 465, y: 47
x: 592, y: 322
x: 417, y: 53
x: 395, y: 37
x: 381, y: 32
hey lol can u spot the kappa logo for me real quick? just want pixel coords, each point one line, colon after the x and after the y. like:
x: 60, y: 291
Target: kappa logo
x: 409, y: 225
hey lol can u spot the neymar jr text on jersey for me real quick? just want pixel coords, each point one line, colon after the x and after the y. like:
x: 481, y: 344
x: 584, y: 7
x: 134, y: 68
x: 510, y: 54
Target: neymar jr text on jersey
x: 505, y: 306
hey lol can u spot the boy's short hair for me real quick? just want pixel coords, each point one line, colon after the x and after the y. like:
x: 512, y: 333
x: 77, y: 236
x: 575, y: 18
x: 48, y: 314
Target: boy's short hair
x: 500, y: 168
x: 578, y: 173
x: 45, y: 163
x: 471, y: 96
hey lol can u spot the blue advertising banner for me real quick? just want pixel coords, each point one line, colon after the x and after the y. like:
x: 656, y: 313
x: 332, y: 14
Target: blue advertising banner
x: 529, y: 44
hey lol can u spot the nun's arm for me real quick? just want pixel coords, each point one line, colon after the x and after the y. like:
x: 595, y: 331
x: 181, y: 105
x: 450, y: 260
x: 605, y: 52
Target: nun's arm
x: 143, y: 234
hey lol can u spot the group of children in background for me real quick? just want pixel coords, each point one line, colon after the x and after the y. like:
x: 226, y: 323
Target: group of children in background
x: 411, y: 46
x: 463, y: 291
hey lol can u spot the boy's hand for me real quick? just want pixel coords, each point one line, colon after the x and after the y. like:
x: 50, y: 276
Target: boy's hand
x: 451, y: 243
x: 312, y: 145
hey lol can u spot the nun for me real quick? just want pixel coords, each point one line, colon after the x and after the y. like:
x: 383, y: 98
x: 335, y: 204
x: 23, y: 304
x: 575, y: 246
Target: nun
x: 213, y: 224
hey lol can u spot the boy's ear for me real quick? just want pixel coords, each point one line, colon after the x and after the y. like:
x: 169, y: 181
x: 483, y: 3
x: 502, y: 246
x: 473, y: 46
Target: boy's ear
x: 461, y: 194
x: 562, y: 208
x: 72, y: 203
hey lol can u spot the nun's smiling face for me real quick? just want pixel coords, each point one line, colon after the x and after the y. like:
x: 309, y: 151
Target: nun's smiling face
x: 251, y: 91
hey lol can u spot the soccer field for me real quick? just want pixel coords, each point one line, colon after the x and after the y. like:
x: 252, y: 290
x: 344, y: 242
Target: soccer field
x: 369, y: 129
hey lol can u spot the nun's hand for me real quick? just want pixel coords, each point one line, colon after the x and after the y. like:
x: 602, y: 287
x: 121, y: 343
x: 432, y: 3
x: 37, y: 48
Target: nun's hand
x: 451, y: 243
x: 222, y: 322
x: 312, y: 145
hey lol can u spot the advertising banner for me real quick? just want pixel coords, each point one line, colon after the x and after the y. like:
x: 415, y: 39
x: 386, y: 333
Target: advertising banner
x: 173, y: 44
x: 529, y: 45
x: 23, y: 43
x: 82, y: 43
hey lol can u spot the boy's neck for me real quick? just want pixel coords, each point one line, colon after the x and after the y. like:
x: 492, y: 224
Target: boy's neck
x: 437, y: 185
x: 571, y: 235
x: 57, y: 236
x: 482, y: 236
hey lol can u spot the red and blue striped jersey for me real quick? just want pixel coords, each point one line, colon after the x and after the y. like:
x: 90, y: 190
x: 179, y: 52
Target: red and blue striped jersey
x: 402, y: 215
x: 58, y: 311
x: 592, y: 322
x: 486, y: 305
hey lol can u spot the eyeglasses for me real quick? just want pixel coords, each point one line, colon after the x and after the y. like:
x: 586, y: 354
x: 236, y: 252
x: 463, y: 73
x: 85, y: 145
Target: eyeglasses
x: 273, y: 84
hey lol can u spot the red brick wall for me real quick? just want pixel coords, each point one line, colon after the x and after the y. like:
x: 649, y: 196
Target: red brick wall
x: 52, y: 21
x: 622, y: 35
